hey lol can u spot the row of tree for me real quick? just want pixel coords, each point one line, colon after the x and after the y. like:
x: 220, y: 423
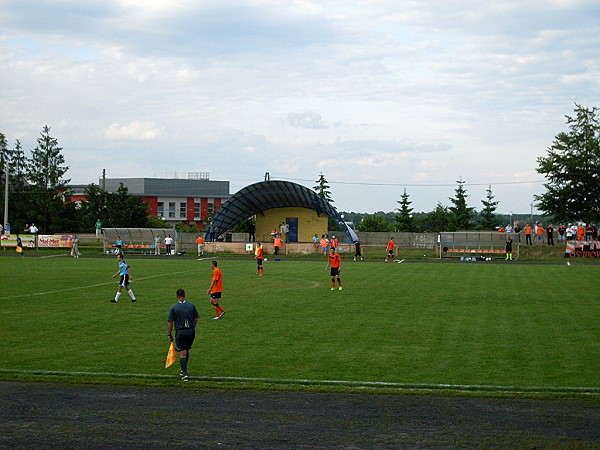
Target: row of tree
x: 39, y: 193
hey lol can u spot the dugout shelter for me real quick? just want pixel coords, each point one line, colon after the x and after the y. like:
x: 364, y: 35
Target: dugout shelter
x: 258, y: 198
x: 137, y: 240
x: 474, y: 244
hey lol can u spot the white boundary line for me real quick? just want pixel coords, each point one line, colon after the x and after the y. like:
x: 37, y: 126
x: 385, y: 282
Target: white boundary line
x: 416, y: 387
x: 107, y: 283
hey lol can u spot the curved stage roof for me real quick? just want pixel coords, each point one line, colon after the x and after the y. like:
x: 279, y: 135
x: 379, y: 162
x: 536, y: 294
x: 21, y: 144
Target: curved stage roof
x: 265, y: 195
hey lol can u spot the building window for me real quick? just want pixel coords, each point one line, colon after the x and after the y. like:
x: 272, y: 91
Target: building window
x: 197, y: 211
x: 171, y: 210
x: 211, y: 207
x: 183, y: 210
x: 160, y: 209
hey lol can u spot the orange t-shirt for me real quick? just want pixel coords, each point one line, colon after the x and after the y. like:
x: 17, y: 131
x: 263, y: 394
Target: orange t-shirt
x: 259, y: 252
x: 277, y: 242
x: 528, y: 230
x: 540, y: 230
x: 334, y: 242
x: 323, y: 242
x: 218, y: 277
x: 335, y: 260
x: 200, y: 240
x: 390, y: 246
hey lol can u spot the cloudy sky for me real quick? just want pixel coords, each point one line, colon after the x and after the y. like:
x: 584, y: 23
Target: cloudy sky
x: 379, y: 96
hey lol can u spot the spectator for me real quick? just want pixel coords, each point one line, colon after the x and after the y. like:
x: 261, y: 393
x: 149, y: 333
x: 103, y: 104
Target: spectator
x: 540, y: 233
x: 33, y: 229
x: 550, y: 234
x: 528, y: 231
x: 561, y: 232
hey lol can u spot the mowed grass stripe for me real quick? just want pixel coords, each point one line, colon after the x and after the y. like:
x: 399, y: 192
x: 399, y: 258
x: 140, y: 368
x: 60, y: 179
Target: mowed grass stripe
x: 435, y: 324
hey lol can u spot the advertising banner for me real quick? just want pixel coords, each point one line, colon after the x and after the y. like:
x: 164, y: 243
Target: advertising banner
x: 583, y: 249
x: 11, y: 240
x: 55, y: 240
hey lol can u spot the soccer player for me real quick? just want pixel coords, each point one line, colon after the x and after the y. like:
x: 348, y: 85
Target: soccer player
x: 216, y: 289
x: 357, y: 250
x: 200, y: 243
x: 185, y: 318
x: 125, y: 278
x: 390, y: 250
x: 259, y: 255
x: 334, y: 261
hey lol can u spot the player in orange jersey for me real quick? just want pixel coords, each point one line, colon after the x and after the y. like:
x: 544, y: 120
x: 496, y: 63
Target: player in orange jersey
x: 390, y: 250
x: 335, y: 262
x: 259, y: 255
x: 216, y: 290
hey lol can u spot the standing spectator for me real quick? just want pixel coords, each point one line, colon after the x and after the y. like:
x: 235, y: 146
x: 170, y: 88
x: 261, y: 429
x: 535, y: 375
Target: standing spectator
x: 324, y: 244
x: 509, y: 243
x: 540, y: 233
x: 26, y: 229
x: 216, y: 290
x: 33, y: 229
x: 252, y: 231
x: 517, y: 228
x: 125, y: 278
x: 509, y: 229
x: 277, y: 243
x: 98, y: 227
x: 334, y: 261
x: 259, y: 254
x: 574, y: 230
x: 589, y: 232
x: 157, y: 245
x: 184, y: 316
x: 7, y: 228
x: 315, y: 240
x: 168, y: 243
x: 550, y: 234
x: 357, y: 250
x: 284, y: 229
x: 200, y: 244
x: 390, y: 250
x: 75, y: 248
x: 528, y: 231
x: 561, y: 232
x: 580, y: 232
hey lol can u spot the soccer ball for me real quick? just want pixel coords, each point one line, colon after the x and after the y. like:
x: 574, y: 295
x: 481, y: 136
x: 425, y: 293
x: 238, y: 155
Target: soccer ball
x: 266, y: 259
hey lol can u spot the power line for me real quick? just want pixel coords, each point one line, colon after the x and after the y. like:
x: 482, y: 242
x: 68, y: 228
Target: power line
x: 414, y: 185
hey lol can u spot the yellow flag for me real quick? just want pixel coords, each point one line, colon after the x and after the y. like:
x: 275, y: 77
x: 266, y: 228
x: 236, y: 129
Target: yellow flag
x: 171, y: 355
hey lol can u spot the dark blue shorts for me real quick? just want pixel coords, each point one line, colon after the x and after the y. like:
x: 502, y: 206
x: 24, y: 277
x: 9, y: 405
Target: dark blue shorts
x: 184, y: 339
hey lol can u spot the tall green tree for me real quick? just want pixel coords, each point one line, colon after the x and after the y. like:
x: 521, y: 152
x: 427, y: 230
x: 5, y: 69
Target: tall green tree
x: 374, y: 222
x: 125, y: 210
x: 404, y: 219
x: 461, y: 214
x: 572, y: 168
x: 322, y: 188
x: 437, y: 220
x: 489, y: 220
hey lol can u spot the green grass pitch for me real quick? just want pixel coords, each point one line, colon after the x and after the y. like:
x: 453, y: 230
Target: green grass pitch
x: 416, y: 324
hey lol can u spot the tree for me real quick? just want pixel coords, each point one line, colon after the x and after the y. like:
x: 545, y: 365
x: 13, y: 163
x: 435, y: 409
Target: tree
x: 489, y: 220
x: 374, y: 223
x: 404, y: 220
x: 124, y: 210
x: 572, y: 168
x: 322, y: 188
x: 437, y: 220
x: 461, y: 214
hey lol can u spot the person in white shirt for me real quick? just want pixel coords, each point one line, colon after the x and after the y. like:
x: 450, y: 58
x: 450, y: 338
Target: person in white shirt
x: 168, y: 243
x: 33, y: 229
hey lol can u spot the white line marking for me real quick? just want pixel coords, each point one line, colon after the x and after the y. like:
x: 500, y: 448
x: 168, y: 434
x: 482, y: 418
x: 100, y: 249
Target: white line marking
x: 424, y: 387
x: 107, y: 283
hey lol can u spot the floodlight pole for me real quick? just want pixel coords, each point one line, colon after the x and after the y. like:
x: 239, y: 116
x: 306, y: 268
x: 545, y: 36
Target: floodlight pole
x: 6, y: 192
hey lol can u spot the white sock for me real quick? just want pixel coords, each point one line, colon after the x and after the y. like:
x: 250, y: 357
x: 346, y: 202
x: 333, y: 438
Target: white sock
x: 131, y: 294
x: 117, y: 296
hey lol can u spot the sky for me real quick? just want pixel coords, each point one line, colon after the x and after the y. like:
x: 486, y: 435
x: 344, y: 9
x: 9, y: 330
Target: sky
x: 379, y: 96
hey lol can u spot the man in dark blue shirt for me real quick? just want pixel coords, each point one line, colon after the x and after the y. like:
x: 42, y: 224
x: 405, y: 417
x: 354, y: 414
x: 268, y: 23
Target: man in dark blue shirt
x: 184, y: 316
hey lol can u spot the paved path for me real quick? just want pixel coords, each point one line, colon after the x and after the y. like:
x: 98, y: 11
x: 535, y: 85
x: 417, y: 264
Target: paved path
x: 46, y: 415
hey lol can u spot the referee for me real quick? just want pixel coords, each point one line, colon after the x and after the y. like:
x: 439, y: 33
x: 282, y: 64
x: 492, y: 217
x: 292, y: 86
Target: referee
x: 185, y: 317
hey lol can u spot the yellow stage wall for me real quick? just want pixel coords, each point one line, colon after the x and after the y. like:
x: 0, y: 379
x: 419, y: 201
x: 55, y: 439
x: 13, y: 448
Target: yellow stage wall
x: 309, y: 223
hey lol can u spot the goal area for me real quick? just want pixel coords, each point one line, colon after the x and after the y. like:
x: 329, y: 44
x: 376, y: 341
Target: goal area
x: 477, y: 244
x: 137, y: 240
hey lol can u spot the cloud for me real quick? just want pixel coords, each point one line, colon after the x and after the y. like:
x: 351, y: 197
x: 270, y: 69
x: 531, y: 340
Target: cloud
x: 306, y: 120
x: 134, y: 131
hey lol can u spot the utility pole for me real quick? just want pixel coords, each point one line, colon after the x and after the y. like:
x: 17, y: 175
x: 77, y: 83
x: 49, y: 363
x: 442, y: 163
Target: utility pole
x: 6, y: 192
x: 103, y: 186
